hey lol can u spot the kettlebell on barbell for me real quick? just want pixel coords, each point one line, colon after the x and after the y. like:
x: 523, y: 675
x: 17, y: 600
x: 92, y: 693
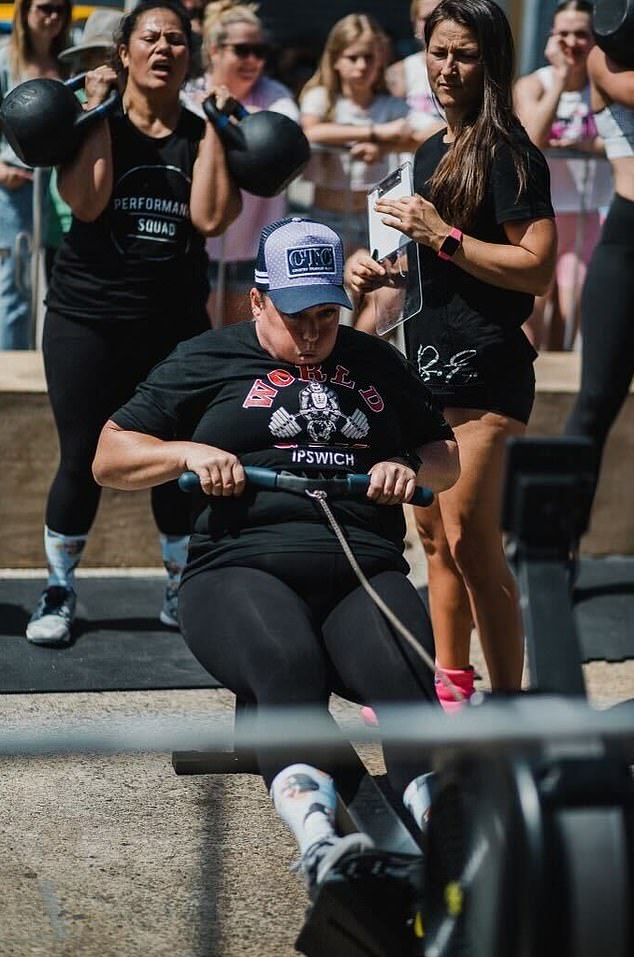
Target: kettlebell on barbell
x: 613, y: 28
x: 265, y: 150
x: 44, y: 122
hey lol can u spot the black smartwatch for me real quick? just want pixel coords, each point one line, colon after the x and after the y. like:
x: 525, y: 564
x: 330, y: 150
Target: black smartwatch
x: 451, y: 244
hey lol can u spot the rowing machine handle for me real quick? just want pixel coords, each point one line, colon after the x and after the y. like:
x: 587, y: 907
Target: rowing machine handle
x: 360, y: 483
x: 267, y: 478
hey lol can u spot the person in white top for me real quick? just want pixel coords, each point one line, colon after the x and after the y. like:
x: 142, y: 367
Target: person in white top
x: 408, y: 78
x: 235, y: 49
x: 346, y: 105
x: 553, y: 103
x: 39, y: 32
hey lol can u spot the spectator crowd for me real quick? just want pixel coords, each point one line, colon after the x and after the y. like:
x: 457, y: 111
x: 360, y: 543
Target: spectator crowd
x: 364, y: 112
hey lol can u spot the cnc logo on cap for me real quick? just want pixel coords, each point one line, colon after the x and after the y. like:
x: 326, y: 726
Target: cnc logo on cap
x: 311, y: 261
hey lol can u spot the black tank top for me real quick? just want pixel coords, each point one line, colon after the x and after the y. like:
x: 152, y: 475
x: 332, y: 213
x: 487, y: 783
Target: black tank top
x: 141, y: 258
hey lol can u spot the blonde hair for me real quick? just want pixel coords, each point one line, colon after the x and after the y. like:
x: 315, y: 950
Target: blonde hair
x: 348, y: 30
x: 20, y: 47
x: 222, y: 14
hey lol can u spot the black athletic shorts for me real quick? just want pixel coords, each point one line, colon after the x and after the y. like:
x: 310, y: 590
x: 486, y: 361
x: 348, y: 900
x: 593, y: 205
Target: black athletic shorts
x: 471, y: 368
x: 510, y: 392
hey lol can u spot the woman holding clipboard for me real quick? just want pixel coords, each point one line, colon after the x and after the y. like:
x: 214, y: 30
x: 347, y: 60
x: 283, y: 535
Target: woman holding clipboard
x: 483, y: 223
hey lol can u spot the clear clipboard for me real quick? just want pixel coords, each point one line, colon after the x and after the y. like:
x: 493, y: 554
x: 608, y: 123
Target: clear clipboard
x: 402, y: 295
x: 385, y: 239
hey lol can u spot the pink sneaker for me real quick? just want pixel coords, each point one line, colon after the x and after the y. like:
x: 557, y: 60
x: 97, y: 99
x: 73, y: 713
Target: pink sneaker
x: 462, y: 678
x: 368, y: 717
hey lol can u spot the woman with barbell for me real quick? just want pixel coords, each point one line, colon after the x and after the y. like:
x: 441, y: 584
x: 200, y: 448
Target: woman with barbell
x: 149, y: 182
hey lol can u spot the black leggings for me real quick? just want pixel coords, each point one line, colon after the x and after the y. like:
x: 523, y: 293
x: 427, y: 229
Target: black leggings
x: 607, y: 325
x: 299, y: 627
x: 91, y: 370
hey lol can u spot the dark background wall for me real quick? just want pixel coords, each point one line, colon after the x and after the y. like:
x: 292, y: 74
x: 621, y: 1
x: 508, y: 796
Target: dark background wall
x: 292, y: 20
x: 533, y: 25
x: 299, y: 30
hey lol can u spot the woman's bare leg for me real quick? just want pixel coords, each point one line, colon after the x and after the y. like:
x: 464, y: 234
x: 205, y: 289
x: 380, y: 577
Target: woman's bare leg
x: 449, y: 606
x: 470, y: 518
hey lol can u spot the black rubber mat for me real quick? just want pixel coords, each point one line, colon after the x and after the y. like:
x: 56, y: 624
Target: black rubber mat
x: 604, y: 608
x: 121, y: 646
x: 119, y: 643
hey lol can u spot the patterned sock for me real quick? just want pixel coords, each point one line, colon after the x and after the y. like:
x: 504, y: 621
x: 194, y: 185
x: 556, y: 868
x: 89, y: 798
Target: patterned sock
x: 305, y: 799
x: 174, y: 555
x: 462, y: 678
x: 417, y: 798
x: 63, y: 553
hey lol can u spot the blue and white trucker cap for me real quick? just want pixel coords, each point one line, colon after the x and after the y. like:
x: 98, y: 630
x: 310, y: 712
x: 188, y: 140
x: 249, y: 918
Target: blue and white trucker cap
x: 300, y: 264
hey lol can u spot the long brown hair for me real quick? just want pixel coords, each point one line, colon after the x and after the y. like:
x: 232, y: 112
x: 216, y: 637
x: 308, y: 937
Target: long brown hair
x: 20, y: 46
x: 343, y: 34
x: 459, y: 183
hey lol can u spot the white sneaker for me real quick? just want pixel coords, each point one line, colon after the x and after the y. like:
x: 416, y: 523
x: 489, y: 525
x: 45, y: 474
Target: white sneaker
x: 52, y: 620
x: 169, y: 611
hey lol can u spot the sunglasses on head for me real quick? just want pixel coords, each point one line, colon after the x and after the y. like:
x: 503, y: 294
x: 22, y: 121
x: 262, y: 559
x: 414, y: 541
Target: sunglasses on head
x: 48, y: 9
x: 243, y: 50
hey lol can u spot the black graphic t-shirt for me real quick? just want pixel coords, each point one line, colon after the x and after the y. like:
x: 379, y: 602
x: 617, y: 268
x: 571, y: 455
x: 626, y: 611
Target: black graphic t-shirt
x: 444, y: 282
x: 141, y: 257
x: 468, y: 330
x: 363, y: 405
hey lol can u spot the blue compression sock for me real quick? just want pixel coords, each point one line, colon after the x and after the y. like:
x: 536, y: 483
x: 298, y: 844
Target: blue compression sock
x: 63, y: 553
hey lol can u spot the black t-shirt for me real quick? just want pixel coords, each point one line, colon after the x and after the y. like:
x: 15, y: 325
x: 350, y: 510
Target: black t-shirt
x: 444, y: 283
x: 141, y: 258
x: 365, y: 404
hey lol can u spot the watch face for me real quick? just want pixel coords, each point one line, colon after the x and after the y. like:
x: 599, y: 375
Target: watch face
x: 450, y: 245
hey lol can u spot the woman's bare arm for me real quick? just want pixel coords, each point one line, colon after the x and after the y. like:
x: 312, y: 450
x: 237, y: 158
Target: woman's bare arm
x: 440, y: 465
x: 537, y: 107
x: 614, y: 82
x: 215, y: 198
x: 525, y: 264
x: 85, y: 182
x: 130, y: 460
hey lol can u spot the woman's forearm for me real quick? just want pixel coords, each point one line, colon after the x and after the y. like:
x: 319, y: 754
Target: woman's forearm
x: 85, y: 183
x: 614, y: 82
x: 524, y: 264
x: 338, y: 134
x: 131, y: 460
x: 510, y: 267
x: 538, y: 114
x: 215, y: 198
x: 440, y: 465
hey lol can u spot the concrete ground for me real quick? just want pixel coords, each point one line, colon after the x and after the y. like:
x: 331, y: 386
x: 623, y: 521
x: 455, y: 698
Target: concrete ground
x: 117, y: 857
